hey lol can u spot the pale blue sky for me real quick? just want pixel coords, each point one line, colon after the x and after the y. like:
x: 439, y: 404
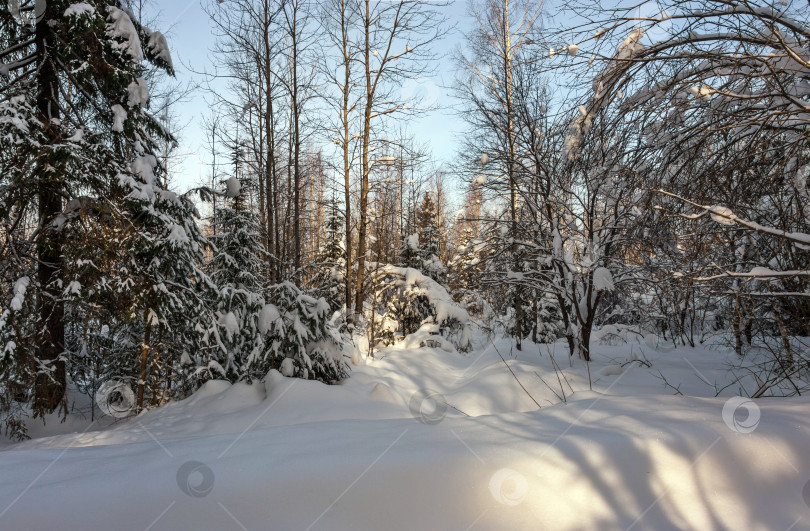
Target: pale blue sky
x: 190, y: 40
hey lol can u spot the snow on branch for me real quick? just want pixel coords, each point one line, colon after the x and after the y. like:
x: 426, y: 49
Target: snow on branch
x: 757, y: 273
x: 724, y: 215
x: 449, y: 318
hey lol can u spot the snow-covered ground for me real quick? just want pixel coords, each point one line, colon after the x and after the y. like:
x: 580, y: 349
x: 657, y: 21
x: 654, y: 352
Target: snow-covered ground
x: 426, y: 439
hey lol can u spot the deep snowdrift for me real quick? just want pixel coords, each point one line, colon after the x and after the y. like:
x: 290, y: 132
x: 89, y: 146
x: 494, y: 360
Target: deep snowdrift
x: 291, y: 454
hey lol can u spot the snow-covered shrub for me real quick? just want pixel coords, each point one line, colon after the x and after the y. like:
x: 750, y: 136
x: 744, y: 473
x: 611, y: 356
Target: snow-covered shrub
x: 412, y: 300
x: 299, y: 338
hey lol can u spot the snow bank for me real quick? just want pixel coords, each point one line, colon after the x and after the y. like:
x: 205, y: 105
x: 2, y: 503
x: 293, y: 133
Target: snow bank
x: 296, y: 454
x: 664, y: 463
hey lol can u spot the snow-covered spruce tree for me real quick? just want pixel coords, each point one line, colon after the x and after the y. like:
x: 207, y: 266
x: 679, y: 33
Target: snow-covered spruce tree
x: 158, y: 272
x: 406, y: 310
x: 465, y: 266
x: 329, y: 278
x: 236, y: 267
x: 402, y: 315
x: 409, y: 255
x: 89, y: 223
x: 465, y: 269
x: 147, y: 287
x: 498, y: 278
x: 547, y: 321
x: 300, y: 341
x: 426, y: 219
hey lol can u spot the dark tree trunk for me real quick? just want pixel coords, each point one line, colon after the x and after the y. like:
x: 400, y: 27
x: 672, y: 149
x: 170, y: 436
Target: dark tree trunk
x: 50, y: 379
x: 144, y: 362
x: 296, y: 152
x: 346, y: 161
x: 270, y: 159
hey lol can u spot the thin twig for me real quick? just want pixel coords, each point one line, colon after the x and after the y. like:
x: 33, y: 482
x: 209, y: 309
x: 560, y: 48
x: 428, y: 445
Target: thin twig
x: 557, y: 372
x: 561, y: 398
x: 513, y: 373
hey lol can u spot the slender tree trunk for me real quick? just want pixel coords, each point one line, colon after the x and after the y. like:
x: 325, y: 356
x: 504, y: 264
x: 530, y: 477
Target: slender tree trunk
x: 788, y: 353
x: 260, y: 178
x: 296, y: 150
x: 270, y: 226
x: 144, y: 360
x: 270, y: 159
x: 510, y: 138
x: 50, y: 378
x: 277, y: 221
x: 346, y: 160
x: 361, y: 237
x: 737, y: 323
x: 585, y: 337
x: 289, y: 209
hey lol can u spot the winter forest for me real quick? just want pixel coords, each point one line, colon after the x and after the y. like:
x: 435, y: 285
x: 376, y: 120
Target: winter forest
x: 406, y: 264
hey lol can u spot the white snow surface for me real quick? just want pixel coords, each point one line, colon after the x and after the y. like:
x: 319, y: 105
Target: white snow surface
x: 294, y: 454
x: 119, y: 117
x: 722, y: 215
x: 158, y: 45
x: 19, y: 293
x: 230, y: 323
x: 602, y: 279
x: 138, y: 93
x: 269, y: 318
x: 233, y: 187
x: 79, y: 9
x: 121, y: 27
x: 412, y: 242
